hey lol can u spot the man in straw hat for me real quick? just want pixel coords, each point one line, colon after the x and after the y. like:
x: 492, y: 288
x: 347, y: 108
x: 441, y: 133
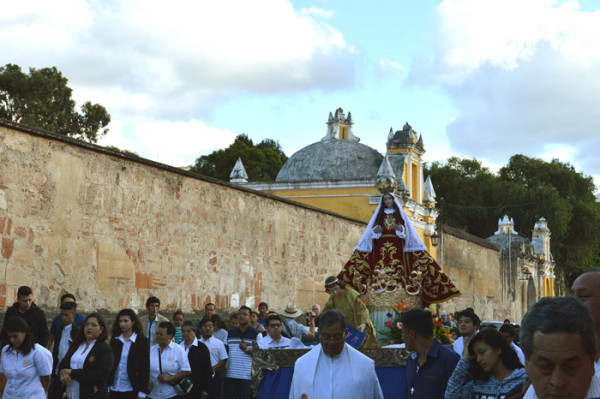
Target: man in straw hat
x: 292, y: 327
x: 334, y: 369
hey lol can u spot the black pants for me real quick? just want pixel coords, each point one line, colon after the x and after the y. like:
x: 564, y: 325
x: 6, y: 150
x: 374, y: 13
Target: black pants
x: 237, y: 389
x: 56, y: 389
x: 122, y: 395
x: 214, y: 386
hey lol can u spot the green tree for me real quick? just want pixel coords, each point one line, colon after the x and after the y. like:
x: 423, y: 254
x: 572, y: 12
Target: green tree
x: 464, y: 187
x: 472, y: 199
x: 43, y: 100
x: 262, y: 161
x: 566, y: 199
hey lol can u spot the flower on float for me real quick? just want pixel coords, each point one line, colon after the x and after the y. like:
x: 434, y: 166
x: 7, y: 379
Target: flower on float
x: 389, y: 314
x: 399, y: 325
x: 388, y: 323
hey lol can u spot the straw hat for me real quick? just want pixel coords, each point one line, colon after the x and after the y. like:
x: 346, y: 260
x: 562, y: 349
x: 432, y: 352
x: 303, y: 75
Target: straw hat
x: 291, y: 311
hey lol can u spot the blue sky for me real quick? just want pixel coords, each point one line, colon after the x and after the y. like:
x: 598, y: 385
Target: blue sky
x: 477, y: 78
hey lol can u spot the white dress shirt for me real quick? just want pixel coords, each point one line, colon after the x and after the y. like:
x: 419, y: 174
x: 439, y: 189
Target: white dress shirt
x: 459, y: 345
x: 216, y: 348
x: 23, y: 372
x: 187, y: 350
x: 77, y: 361
x: 121, y: 382
x: 63, y: 345
x: 269, y: 343
x: 173, y: 360
x: 519, y: 352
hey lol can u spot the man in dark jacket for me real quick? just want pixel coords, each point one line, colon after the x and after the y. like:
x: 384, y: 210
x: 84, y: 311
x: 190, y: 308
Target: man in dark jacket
x: 34, y: 316
x: 65, y: 336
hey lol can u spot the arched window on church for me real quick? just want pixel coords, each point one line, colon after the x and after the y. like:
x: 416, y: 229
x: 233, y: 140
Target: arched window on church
x: 415, y: 181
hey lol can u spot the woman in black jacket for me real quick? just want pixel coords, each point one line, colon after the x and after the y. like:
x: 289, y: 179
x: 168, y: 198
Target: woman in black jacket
x: 85, y: 367
x: 131, y: 370
x: 199, y: 358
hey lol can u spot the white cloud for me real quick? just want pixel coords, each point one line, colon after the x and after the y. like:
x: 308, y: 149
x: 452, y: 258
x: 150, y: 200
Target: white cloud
x: 172, y: 143
x: 318, y: 12
x: 177, y: 58
x: 522, y: 76
x: 476, y: 33
x: 386, y: 66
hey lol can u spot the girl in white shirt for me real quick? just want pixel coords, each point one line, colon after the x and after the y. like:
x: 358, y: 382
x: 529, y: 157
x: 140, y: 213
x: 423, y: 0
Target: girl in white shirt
x: 26, y: 366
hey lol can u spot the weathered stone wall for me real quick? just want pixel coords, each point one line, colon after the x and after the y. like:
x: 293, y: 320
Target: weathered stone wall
x: 113, y: 230
x: 476, y: 266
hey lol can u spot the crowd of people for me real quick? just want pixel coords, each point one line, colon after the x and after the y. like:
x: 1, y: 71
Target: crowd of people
x: 139, y: 356
x: 554, y: 354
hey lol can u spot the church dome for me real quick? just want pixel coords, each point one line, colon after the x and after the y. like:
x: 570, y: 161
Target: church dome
x: 331, y: 159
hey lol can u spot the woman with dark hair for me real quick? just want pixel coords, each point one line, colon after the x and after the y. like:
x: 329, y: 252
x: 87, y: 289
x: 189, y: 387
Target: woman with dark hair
x: 219, y: 330
x: 347, y: 301
x: 168, y: 362
x: 131, y: 369
x: 199, y: 358
x: 87, y: 364
x: 26, y: 366
x: 254, y: 316
x: 492, y: 369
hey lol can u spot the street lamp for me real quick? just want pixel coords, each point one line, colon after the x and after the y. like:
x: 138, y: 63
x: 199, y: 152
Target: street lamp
x: 435, y: 239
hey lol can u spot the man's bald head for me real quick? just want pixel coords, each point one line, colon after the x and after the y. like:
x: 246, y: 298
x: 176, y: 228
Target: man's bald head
x: 586, y: 288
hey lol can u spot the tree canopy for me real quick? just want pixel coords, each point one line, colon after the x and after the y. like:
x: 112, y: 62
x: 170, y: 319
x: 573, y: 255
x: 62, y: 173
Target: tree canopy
x: 43, y: 100
x: 473, y: 198
x: 262, y: 161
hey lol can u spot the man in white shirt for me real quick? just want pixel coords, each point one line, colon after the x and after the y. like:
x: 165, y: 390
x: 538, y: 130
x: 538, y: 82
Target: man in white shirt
x: 274, y: 339
x: 334, y: 369
x: 468, y: 326
x: 508, y: 332
x: 218, y: 356
x: 586, y: 288
x: 559, y: 342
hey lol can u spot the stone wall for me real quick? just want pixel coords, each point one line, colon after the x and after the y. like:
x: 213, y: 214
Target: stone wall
x: 478, y: 268
x: 114, y: 229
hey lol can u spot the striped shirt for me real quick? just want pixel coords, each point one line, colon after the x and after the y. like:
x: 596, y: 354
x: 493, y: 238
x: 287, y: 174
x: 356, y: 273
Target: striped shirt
x: 593, y: 391
x: 240, y: 363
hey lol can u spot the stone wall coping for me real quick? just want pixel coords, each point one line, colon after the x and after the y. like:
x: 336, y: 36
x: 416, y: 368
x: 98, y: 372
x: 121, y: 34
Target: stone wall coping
x: 172, y: 169
x: 469, y: 237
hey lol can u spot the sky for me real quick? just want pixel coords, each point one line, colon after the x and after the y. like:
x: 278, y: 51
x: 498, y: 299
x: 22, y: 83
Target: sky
x: 477, y: 78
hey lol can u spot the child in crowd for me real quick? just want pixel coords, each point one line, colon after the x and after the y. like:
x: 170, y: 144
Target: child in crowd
x: 178, y: 322
x: 219, y: 331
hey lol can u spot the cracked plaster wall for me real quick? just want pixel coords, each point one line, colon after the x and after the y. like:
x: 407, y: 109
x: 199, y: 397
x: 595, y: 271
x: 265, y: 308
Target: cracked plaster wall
x: 113, y: 231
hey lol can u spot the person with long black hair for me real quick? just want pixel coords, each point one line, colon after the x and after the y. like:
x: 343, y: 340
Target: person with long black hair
x: 87, y: 364
x: 131, y: 369
x: 26, y: 365
x: 490, y: 369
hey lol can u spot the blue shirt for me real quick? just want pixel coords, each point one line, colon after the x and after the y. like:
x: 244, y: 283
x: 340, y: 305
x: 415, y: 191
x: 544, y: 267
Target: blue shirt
x: 57, y: 322
x: 430, y: 381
